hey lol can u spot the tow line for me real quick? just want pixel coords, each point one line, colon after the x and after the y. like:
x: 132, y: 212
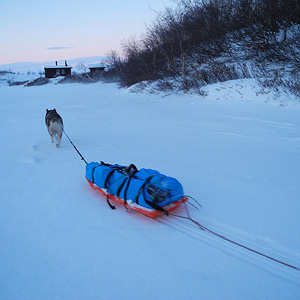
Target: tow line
x: 231, y: 241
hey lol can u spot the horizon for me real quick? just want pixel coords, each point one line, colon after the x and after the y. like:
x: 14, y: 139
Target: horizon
x: 36, y: 67
x: 59, y: 61
x: 65, y: 30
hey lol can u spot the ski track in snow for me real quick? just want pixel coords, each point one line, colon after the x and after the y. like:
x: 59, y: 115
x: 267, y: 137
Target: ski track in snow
x: 280, y: 253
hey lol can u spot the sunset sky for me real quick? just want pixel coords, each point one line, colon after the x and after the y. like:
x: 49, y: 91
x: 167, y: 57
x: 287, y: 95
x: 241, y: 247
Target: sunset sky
x: 36, y: 31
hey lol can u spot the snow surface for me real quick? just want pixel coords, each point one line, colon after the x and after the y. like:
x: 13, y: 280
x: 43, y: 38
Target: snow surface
x: 58, y: 67
x: 234, y: 151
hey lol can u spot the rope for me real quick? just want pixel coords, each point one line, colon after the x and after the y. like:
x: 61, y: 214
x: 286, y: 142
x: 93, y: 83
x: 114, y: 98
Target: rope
x: 231, y: 241
x: 82, y: 158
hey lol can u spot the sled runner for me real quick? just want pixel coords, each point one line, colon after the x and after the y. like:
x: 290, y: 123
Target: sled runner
x: 146, y: 191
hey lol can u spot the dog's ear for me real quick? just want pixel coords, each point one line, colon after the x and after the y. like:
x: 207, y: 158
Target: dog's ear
x: 47, y: 110
x: 54, y: 110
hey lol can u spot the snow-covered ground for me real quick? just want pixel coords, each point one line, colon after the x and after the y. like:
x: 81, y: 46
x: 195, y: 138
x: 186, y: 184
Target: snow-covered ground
x: 235, y: 152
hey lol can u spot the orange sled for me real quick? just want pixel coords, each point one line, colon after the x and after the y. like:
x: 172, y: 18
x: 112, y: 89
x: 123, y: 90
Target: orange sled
x: 151, y: 213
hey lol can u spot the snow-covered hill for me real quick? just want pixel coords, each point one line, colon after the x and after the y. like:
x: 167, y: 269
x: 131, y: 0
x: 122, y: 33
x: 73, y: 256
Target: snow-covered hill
x: 36, y: 67
x: 236, y: 152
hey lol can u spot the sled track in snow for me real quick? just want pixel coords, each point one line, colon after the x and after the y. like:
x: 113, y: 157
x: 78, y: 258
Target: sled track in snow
x: 190, y: 229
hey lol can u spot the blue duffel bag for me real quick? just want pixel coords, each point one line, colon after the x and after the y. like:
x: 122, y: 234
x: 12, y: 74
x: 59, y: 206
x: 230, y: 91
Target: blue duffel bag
x: 145, y: 187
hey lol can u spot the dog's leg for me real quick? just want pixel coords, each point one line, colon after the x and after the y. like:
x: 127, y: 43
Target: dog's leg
x: 58, y: 140
x: 51, y: 135
x: 59, y: 136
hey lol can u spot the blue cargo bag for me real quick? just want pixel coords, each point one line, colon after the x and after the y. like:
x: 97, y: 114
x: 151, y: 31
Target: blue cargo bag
x: 145, y: 187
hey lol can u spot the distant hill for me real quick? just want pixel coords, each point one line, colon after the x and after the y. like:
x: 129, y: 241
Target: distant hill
x: 24, y: 67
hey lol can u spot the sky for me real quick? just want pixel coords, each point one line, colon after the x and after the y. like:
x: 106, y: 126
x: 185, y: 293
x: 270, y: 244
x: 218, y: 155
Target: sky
x: 37, y: 31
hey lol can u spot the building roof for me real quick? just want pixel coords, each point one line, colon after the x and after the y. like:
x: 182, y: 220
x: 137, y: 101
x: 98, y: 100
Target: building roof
x: 96, y: 66
x: 58, y: 67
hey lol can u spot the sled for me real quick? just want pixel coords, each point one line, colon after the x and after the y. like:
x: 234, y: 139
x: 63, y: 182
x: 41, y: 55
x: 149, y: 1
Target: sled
x: 151, y: 213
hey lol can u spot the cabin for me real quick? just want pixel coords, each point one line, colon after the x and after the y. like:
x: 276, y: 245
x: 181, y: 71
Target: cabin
x: 97, y: 69
x: 57, y: 70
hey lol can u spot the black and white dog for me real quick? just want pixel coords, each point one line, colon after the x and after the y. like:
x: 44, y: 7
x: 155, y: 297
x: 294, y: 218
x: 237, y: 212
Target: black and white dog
x: 54, y: 125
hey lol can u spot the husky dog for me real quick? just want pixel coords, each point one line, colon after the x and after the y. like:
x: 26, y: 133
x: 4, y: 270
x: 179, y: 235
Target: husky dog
x: 54, y: 125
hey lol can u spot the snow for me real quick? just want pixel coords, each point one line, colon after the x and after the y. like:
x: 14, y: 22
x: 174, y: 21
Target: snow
x: 235, y: 151
x: 99, y: 65
x: 58, y: 67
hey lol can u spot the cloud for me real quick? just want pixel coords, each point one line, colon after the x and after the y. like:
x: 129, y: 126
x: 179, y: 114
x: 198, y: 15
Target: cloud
x: 58, y: 48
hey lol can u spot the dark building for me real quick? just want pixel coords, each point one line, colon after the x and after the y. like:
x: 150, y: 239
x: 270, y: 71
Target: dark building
x: 97, y: 69
x: 57, y: 70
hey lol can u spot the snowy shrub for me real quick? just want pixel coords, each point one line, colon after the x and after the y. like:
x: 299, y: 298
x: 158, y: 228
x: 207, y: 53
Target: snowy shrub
x: 17, y: 83
x: 37, y: 82
x: 4, y: 72
x: 207, y: 41
x: 77, y: 78
x: 278, y: 82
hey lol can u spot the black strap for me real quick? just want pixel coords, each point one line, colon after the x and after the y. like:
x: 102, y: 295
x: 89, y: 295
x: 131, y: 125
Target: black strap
x: 128, y: 183
x: 121, y: 186
x: 157, y: 207
x: 131, y: 170
x: 110, y: 205
x: 107, y: 178
x: 127, y: 186
x: 93, y: 178
x: 141, y: 189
